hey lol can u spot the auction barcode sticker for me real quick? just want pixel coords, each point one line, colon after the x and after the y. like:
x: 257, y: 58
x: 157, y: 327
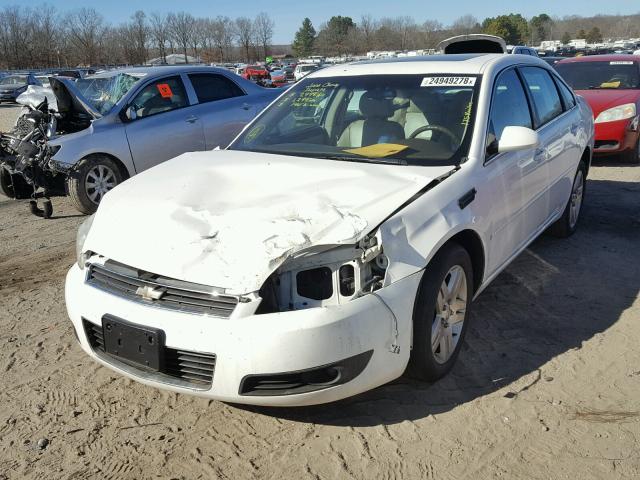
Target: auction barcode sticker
x: 448, y: 81
x: 621, y: 63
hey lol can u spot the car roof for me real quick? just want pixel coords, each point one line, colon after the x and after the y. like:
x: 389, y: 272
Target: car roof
x: 601, y: 58
x: 164, y: 70
x: 445, y: 64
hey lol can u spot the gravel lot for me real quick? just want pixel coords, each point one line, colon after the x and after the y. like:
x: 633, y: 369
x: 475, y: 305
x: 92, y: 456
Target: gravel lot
x: 547, y: 386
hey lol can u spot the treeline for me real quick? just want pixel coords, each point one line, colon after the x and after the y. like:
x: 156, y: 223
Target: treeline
x: 45, y: 37
x: 35, y: 37
x: 342, y: 35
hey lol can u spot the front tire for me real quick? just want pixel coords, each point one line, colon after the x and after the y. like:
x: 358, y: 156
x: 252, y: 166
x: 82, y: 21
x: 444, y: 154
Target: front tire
x: 93, y: 178
x: 440, y: 313
x: 14, y: 186
x: 634, y: 155
x: 567, y: 224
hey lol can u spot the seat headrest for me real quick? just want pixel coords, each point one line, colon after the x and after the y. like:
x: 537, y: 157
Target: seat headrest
x: 374, y: 106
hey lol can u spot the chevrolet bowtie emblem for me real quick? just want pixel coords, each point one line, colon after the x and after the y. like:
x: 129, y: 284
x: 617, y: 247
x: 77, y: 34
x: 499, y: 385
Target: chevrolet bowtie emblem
x: 150, y: 293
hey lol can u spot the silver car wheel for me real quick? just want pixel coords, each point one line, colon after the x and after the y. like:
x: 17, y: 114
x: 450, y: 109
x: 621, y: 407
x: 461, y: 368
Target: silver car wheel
x: 451, y: 307
x: 576, y: 199
x: 99, y: 181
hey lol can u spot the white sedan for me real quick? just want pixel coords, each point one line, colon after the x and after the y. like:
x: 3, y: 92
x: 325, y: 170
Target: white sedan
x: 340, y: 239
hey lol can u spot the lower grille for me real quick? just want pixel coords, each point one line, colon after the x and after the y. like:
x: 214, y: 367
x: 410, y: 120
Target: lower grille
x: 173, y: 294
x: 194, y: 369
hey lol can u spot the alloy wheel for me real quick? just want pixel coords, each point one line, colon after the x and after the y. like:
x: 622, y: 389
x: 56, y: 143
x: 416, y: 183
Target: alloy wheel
x: 451, y: 306
x: 577, y: 193
x: 99, y: 181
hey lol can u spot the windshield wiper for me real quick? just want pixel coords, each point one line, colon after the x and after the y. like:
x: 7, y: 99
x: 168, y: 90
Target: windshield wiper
x: 350, y: 158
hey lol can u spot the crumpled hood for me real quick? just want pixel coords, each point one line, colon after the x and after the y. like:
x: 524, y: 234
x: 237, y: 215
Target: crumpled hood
x: 230, y: 218
x: 603, y: 99
x: 69, y: 99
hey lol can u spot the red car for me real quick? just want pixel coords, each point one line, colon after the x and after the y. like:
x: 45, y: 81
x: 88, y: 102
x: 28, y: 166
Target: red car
x: 255, y: 72
x: 611, y: 86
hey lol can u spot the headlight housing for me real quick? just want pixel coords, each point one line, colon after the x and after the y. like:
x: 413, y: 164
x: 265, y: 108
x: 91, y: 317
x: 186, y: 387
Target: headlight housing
x: 621, y: 112
x: 324, y: 278
x: 81, y: 236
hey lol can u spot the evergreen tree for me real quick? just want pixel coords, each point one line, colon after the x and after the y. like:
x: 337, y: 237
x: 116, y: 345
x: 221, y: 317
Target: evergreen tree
x: 305, y: 37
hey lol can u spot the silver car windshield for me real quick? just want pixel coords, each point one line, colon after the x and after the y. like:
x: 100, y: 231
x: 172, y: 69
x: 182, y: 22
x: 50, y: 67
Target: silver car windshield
x: 406, y: 119
x: 104, y: 91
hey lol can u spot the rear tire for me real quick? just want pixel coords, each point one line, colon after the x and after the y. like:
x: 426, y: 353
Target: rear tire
x: 93, y: 178
x: 14, y: 186
x: 567, y: 224
x: 441, y: 313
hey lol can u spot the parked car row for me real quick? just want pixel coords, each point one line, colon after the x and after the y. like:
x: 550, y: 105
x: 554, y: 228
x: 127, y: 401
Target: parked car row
x: 340, y: 238
x: 110, y: 126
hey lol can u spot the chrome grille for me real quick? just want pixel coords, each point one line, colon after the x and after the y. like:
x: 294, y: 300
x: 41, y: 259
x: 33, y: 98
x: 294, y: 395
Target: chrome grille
x: 194, y: 369
x: 125, y: 282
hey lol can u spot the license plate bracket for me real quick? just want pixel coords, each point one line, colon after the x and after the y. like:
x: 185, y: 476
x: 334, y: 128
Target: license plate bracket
x: 135, y: 344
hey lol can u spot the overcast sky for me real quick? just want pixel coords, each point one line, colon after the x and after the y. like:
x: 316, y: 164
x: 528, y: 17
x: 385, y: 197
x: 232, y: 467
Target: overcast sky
x: 288, y: 14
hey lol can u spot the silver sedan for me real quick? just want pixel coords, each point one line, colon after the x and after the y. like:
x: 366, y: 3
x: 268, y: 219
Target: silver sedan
x: 116, y: 124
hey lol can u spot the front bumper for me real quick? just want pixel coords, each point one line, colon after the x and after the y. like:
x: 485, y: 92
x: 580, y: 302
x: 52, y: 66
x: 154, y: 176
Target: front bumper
x: 265, y: 344
x: 616, y: 137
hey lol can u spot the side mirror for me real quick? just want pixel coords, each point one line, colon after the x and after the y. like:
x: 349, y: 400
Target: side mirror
x: 130, y: 113
x: 514, y: 139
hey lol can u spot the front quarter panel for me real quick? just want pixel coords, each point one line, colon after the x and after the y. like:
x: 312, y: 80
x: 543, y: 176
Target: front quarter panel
x: 107, y: 138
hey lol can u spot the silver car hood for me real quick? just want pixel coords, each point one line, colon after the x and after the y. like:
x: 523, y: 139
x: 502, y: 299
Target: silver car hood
x: 229, y: 218
x: 69, y: 99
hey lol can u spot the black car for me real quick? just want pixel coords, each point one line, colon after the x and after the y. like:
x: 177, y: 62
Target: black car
x: 13, y: 85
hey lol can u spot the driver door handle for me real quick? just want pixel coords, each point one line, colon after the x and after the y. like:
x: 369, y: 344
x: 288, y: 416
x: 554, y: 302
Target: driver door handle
x: 541, y: 155
x: 191, y: 119
x: 246, y: 106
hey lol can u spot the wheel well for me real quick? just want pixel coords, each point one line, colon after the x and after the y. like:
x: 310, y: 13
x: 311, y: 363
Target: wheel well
x: 123, y: 170
x: 586, y: 157
x: 470, y: 241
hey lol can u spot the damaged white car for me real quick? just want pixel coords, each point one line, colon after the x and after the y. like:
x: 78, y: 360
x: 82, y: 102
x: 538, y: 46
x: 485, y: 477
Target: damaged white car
x: 342, y: 236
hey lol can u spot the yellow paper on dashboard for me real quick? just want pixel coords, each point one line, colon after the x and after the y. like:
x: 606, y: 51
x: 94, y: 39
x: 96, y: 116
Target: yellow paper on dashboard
x: 379, y: 150
x: 615, y: 84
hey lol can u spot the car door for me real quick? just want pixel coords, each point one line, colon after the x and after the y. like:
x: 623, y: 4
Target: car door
x: 564, y: 170
x: 518, y: 179
x: 163, y: 125
x: 555, y: 128
x: 223, y: 107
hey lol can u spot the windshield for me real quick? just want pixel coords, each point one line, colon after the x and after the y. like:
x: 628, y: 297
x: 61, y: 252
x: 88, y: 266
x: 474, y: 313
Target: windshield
x: 620, y: 74
x: 413, y: 119
x: 103, y: 92
x: 14, y: 80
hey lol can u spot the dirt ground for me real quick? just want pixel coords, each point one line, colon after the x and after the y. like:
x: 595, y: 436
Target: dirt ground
x: 547, y: 385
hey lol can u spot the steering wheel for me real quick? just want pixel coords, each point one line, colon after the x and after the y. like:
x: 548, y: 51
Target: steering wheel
x: 437, y: 128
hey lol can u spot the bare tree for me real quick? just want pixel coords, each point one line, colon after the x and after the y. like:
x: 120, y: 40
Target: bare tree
x: 263, y: 26
x: 181, y: 27
x: 222, y: 34
x: 84, y: 29
x: 140, y: 34
x: 160, y: 33
x: 368, y: 27
x: 244, y: 35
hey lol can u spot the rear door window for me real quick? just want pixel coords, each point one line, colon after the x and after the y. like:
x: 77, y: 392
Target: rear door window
x: 543, y: 93
x: 160, y: 96
x: 211, y: 87
x: 567, y: 97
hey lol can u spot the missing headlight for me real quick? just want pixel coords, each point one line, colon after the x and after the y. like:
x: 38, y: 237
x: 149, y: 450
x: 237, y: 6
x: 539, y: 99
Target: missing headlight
x: 325, y: 278
x: 316, y: 284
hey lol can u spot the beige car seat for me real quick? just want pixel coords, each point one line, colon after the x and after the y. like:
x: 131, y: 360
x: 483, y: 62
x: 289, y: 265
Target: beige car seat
x: 376, y: 126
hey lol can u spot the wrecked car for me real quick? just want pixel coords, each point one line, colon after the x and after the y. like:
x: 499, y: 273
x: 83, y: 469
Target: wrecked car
x: 110, y: 126
x: 340, y: 239
x: 13, y: 85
